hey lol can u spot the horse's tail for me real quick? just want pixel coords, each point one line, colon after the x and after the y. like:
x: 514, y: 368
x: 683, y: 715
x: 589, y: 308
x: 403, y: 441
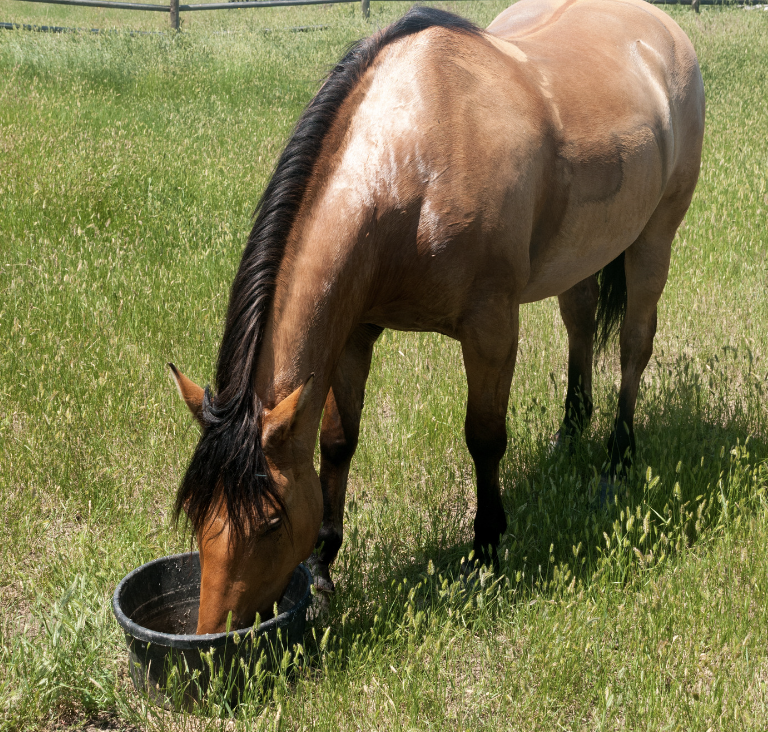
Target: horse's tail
x: 611, y: 301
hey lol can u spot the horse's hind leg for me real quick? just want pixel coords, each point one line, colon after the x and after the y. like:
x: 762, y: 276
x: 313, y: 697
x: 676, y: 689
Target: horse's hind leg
x: 577, y: 308
x: 646, y: 265
x: 338, y: 440
x: 489, y: 352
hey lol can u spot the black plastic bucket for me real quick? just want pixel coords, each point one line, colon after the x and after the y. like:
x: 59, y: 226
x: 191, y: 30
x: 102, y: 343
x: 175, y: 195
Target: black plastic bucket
x: 157, y: 605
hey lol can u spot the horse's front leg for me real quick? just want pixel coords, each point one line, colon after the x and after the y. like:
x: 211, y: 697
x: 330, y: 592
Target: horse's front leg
x: 489, y: 351
x: 338, y: 440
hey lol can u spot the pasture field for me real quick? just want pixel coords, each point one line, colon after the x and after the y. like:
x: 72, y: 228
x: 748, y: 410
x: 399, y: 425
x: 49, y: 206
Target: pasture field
x: 129, y: 167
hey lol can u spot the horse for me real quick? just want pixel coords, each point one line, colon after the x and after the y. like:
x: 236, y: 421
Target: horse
x: 441, y: 176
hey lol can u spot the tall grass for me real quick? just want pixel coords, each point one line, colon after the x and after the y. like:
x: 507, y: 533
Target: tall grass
x: 129, y: 166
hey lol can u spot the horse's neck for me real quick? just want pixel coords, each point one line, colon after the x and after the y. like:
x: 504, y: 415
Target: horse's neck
x: 317, y: 303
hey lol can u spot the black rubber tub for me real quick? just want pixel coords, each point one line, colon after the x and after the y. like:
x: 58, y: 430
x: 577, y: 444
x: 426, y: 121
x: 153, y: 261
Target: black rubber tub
x: 157, y: 604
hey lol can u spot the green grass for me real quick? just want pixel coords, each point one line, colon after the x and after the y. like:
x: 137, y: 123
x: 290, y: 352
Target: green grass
x: 129, y: 166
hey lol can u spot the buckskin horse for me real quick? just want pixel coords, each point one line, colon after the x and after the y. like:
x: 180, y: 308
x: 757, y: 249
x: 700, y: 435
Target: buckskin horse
x: 441, y: 176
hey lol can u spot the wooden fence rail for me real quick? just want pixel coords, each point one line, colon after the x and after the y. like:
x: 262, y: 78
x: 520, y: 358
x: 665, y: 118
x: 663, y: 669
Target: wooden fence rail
x: 174, y: 8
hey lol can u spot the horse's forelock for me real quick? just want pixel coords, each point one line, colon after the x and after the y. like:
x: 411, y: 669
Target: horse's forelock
x: 229, y: 467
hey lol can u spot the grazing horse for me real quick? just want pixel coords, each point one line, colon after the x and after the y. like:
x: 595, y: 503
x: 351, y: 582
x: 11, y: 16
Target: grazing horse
x: 441, y: 176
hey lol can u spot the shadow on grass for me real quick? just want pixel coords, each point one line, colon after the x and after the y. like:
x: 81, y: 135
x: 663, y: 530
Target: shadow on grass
x: 701, y: 453
x: 700, y: 440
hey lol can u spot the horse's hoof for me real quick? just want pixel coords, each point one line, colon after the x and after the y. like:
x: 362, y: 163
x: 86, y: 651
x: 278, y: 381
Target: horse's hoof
x: 324, y: 588
x: 320, y: 607
x: 606, y: 491
x: 324, y: 585
x: 468, y: 567
x: 557, y: 441
x: 469, y: 575
x: 475, y: 574
x: 321, y: 574
x: 561, y: 441
x: 471, y: 569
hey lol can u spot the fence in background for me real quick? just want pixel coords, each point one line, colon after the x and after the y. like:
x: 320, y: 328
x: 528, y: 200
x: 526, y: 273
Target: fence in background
x: 175, y: 8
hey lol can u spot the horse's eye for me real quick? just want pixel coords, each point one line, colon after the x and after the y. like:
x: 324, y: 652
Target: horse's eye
x: 273, y: 525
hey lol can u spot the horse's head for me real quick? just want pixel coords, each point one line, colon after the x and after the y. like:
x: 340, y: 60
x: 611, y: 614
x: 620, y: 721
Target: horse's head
x: 247, y: 572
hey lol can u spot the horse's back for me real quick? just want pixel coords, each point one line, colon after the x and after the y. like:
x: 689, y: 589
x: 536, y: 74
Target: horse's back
x: 526, y: 157
x: 531, y: 16
x: 566, y: 22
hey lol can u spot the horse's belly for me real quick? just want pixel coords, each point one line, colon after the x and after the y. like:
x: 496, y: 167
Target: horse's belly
x: 602, y: 196
x: 571, y: 266
x: 590, y: 236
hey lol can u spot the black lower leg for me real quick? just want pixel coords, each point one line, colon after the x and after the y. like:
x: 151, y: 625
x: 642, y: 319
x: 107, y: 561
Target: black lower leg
x: 621, y: 443
x: 578, y: 405
x: 489, y: 528
x: 328, y: 545
x: 490, y: 519
x: 487, y: 444
x: 577, y: 308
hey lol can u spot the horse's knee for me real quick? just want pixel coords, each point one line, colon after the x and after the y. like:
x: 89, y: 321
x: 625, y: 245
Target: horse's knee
x: 338, y: 447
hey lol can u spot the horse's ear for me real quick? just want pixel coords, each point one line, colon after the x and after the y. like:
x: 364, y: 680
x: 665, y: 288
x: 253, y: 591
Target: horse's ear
x: 279, y: 423
x: 190, y: 392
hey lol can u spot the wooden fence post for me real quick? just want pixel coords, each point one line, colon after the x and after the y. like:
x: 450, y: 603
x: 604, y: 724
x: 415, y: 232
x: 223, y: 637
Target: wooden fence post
x: 175, y: 14
x: 365, y: 6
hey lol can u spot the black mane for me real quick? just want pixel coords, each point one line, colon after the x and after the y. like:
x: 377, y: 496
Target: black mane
x: 229, y: 456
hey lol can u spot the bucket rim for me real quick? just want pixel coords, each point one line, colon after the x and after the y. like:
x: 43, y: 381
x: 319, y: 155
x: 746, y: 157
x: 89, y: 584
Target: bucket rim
x: 209, y: 640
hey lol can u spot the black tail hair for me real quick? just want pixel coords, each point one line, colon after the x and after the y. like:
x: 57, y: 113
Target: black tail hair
x: 611, y: 301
